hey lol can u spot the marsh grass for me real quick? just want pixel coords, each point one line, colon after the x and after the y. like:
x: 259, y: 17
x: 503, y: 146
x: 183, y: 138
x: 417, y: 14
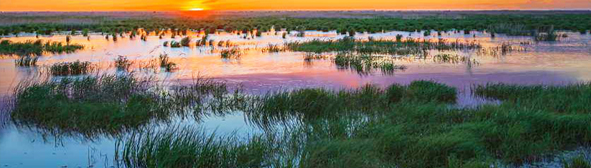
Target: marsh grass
x: 71, y: 68
x: 231, y: 53
x: 407, y: 47
x: 36, y: 48
x: 87, y: 105
x: 311, y: 104
x: 366, y: 64
x: 510, y: 29
x: 399, y: 126
x: 26, y: 61
x: 186, y: 41
x: 561, y: 99
x: 172, y: 44
x: 272, y: 48
x: 546, y: 34
x: 165, y: 63
x: 122, y: 63
x: 413, y: 133
x: 577, y: 162
x: 453, y: 59
x: 411, y: 126
x: 190, y: 147
x: 91, y: 106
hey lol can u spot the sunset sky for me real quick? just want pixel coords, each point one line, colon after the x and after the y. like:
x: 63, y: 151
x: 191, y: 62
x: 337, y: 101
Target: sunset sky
x: 176, y: 5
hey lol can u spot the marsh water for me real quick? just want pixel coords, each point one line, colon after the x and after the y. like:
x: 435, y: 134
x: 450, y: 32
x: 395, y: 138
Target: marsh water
x: 257, y: 72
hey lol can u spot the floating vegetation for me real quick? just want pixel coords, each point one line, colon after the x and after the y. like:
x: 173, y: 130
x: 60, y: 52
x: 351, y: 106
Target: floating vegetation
x: 71, y: 68
x: 365, y: 64
x: 36, y: 48
x: 165, y: 63
x: 231, y: 53
x: 26, y: 61
x: 122, y: 63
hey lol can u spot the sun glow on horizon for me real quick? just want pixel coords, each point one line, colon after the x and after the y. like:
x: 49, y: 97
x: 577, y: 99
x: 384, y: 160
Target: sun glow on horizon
x: 196, y: 9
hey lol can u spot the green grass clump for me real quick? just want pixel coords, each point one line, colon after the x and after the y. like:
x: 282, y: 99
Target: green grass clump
x: 311, y: 104
x: 174, y: 44
x: 71, y: 68
x: 428, y: 91
x: 36, y: 48
x: 186, y: 41
x: 273, y: 48
x: 122, y: 63
x: 26, y: 61
x: 87, y: 105
x: 577, y: 162
x: 546, y: 34
x: 561, y: 99
x: 366, y: 64
x: 166, y: 63
x: 187, y: 147
x: 231, y: 53
x: 110, y: 104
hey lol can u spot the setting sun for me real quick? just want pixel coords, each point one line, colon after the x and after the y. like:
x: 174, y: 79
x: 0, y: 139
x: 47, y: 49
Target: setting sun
x: 196, y: 9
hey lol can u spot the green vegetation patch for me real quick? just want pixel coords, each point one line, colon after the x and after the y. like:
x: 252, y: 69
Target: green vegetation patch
x: 106, y: 104
x: 409, y: 46
x: 35, y: 48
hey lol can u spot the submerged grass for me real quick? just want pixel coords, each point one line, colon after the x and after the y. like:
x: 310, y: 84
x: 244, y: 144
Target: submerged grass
x: 36, y: 48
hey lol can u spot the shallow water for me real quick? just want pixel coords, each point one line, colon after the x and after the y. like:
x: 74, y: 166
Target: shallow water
x: 557, y: 63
